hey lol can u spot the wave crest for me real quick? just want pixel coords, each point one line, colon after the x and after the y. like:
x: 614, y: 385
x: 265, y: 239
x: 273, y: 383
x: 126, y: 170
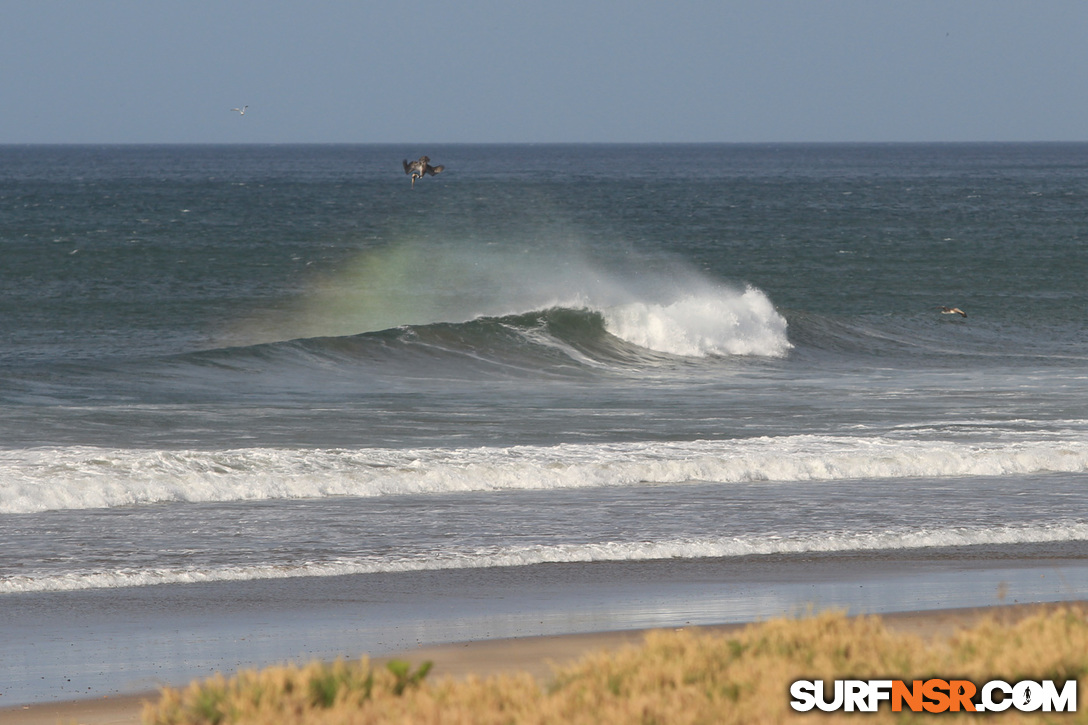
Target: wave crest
x: 700, y: 325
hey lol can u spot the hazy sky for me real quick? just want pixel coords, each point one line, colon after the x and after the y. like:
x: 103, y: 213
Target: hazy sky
x: 357, y: 71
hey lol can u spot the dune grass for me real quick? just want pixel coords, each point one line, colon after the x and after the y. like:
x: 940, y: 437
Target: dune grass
x: 687, y: 676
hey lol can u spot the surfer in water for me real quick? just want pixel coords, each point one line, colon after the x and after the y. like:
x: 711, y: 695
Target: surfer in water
x: 952, y: 311
x: 418, y: 169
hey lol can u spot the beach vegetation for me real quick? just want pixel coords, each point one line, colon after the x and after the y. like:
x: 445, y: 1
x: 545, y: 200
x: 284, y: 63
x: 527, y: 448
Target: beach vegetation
x: 404, y: 677
x: 674, y: 677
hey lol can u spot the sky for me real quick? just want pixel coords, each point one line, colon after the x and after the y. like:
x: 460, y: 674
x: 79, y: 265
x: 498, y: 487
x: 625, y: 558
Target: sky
x: 547, y: 71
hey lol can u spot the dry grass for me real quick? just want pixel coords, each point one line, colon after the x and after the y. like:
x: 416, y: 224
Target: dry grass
x: 674, y: 677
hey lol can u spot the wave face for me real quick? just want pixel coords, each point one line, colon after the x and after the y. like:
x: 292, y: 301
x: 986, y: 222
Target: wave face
x: 710, y: 324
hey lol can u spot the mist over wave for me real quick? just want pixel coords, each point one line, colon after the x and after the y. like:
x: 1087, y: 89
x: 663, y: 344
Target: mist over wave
x: 664, y: 307
x: 33, y: 480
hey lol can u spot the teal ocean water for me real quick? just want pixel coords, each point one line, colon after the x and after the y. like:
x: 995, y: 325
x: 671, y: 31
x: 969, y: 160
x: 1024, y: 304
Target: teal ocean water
x: 298, y: 325
x: 252, y: 363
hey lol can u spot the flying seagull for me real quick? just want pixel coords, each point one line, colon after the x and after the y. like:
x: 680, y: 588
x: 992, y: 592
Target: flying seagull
x: 241, y: 110
x: 420, y: 168
x: 952, y: 311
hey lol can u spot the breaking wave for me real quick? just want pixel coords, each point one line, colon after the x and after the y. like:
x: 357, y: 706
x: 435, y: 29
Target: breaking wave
x: 41, y: 479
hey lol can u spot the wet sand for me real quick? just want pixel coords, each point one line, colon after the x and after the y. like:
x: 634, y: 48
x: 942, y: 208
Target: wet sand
x: 535, y: 655
x: 113, y: 647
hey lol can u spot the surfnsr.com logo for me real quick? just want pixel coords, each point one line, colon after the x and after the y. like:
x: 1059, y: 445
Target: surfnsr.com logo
x: 934, y: 695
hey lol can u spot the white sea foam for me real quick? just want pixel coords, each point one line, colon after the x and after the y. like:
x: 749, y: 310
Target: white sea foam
x: 712, y: 322
x: 40, y: 479
x: 512, y: 556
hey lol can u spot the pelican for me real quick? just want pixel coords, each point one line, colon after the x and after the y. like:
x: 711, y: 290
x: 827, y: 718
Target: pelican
x: 241, y: 111
x: 952, y: 311
x: 418, y: 169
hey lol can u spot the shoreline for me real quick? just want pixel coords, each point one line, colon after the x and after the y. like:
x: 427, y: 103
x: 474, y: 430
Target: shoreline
x: 533, y: 654
x: 64, y: 646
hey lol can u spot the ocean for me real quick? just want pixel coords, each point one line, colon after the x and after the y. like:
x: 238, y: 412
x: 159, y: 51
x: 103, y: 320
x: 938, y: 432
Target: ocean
x: 636, y: 384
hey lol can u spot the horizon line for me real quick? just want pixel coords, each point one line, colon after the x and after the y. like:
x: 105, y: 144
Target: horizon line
x: 537, y: 143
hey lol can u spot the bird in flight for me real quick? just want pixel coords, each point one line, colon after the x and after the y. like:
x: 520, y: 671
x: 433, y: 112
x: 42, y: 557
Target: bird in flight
x: 952, y: 311
x: 241, y: 111
x: 421, y: 167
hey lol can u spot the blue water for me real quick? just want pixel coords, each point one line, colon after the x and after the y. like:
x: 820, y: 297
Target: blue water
x: 253, y: 363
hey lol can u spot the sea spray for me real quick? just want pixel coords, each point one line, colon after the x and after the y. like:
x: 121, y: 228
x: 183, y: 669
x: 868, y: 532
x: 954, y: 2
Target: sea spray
x: 714, y: 322
x: 664, y: 307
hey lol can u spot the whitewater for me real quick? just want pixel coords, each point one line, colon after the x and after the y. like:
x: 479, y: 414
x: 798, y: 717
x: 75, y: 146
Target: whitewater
x: 82, y: 478
x: 735, y: 546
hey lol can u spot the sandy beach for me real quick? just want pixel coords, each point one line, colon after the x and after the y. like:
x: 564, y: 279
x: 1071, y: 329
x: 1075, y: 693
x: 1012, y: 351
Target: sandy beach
x: 535, y: 655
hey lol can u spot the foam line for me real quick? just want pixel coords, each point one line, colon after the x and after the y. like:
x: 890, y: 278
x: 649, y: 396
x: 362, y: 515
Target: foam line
x: 41, y: 479
x: 587, y: 552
